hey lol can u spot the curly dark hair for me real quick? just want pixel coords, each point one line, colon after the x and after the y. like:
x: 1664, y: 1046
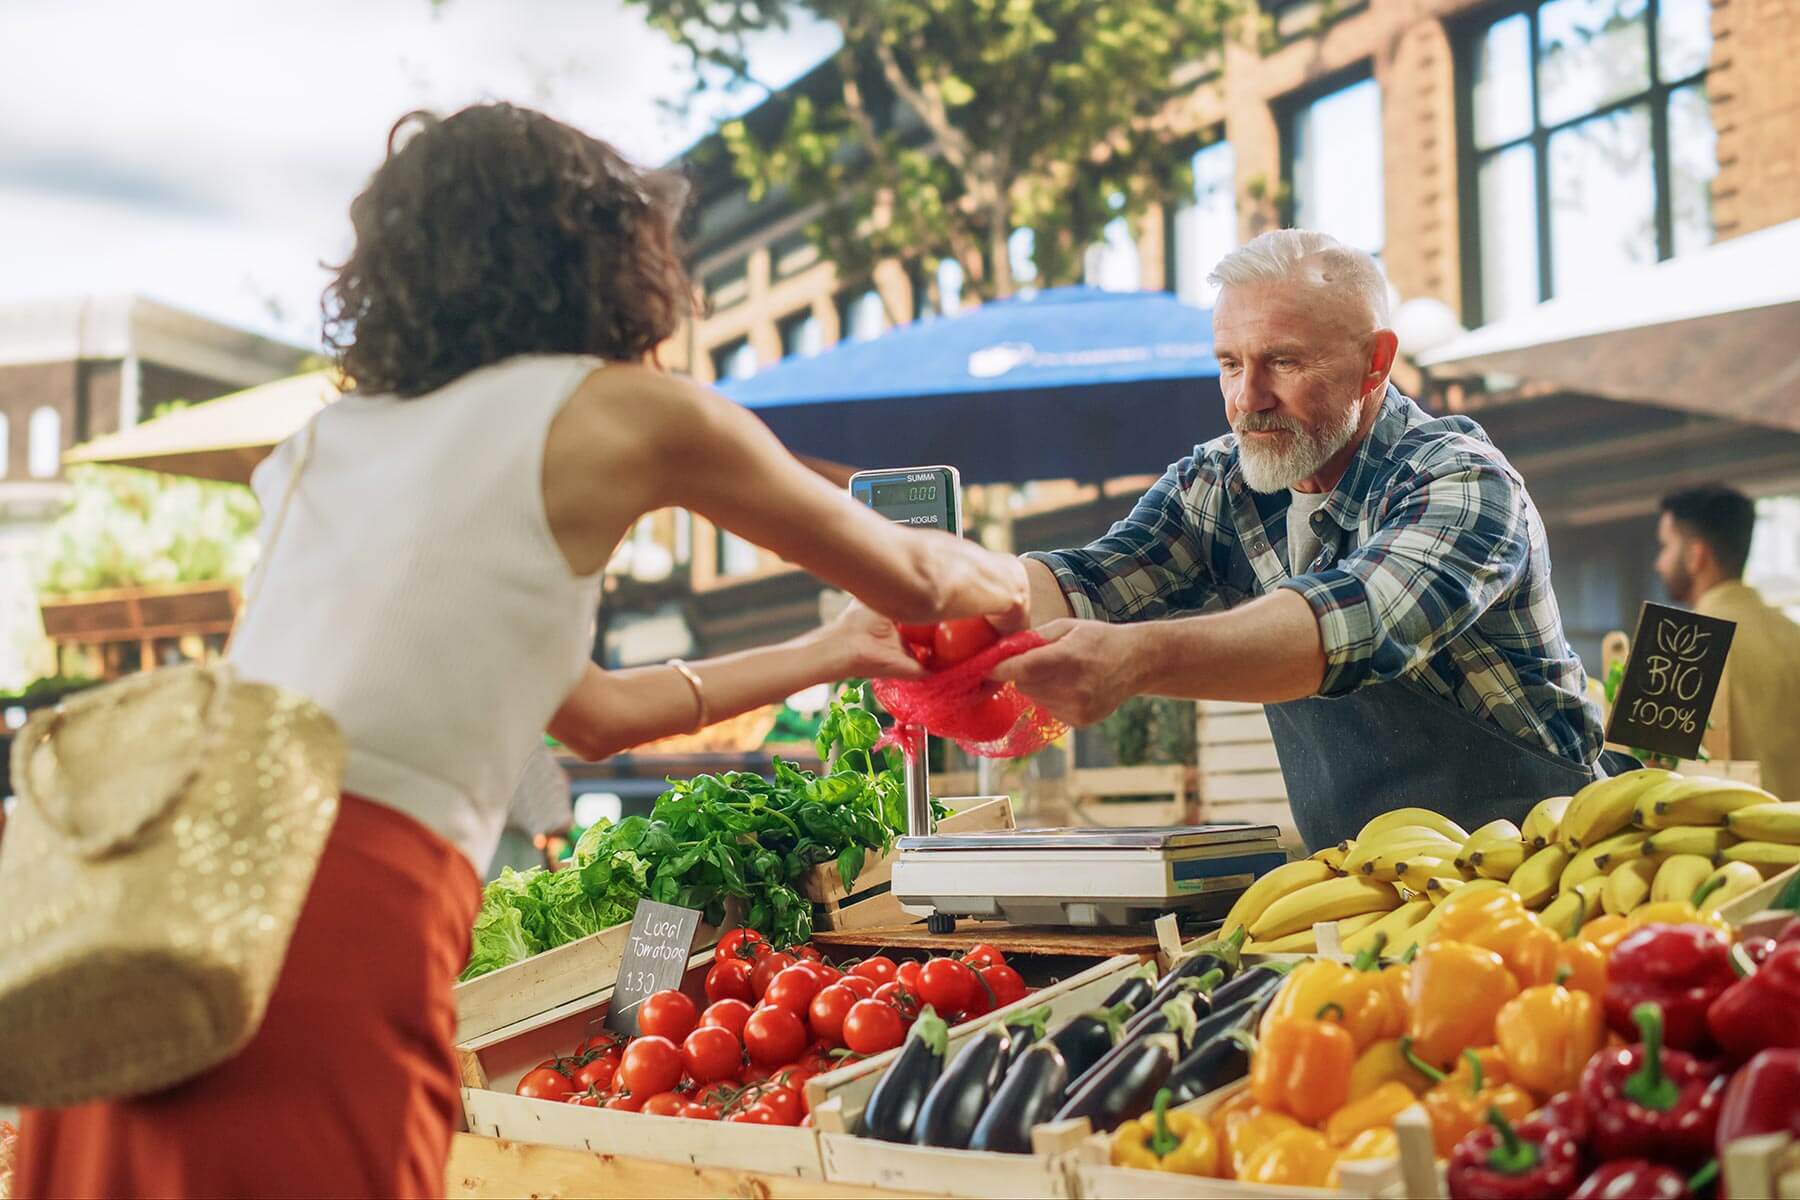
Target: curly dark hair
x: 499, y: 231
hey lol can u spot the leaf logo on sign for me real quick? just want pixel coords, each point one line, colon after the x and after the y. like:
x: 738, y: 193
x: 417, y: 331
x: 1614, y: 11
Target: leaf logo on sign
x: 1685, y: 642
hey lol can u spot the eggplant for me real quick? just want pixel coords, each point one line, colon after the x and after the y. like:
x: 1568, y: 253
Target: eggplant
x: 1250, y: 982
x: 893, y: 1107
x: 1028, y: 1096
x: 1201, y: 987
x: 1214, y: 1064
x: 1027, y: 1028
x: 1220, y: 954
x: 1127, y: 1086
x: 1087, y: 1038
x: 959, y: 1097
x: 1178, y: 1017
x: 1140, y: 984
x: 1241, y: 1015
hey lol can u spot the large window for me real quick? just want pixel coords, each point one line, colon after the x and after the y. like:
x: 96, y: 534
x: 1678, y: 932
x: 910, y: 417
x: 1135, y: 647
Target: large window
x: 1590, y: 145
x: 1112, y: 263
x: 734, y: 360
x: 43, y: 446
x: 1333, y: 151
x: 802, y: 335
x: 5, y: 444
x: 1205, y: 229
x: 862, y: 316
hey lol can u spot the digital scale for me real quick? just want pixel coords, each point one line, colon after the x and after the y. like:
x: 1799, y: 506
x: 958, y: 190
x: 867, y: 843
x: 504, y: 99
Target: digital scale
x: 1087, y: 876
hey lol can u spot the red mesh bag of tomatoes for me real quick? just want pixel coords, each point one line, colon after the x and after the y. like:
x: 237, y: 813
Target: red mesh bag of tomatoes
x: 957, y: 700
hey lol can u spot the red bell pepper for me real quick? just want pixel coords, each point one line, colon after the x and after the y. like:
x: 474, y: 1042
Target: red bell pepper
x: 1759, y: 1011
x: 1640, y: 1179
x: 1647, y: 1102
x: 1763, y: 1097
x: 1757, y: 949
x: 1561, y: 1111
x: 1502, y: 1163
x: 1681, y: 969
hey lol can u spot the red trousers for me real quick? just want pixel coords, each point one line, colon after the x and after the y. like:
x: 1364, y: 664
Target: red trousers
x: 350, y: 1086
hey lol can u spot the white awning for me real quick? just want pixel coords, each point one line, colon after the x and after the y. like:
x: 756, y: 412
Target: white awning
x: 1716, y: 331
x: 220, y: 439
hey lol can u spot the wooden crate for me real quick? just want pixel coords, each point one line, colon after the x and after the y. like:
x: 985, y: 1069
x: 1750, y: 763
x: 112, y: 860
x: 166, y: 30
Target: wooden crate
x: 1240, y: 775
x: 492, y: 1066
x: 1751, y: 907
x: 870, y: 903
x: 1089, y: 788
x: 837, y: 1101
x: 578, y: 973
x: 1093, y: 1175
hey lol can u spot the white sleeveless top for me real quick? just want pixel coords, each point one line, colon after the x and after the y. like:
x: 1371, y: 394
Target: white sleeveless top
x: 417, y: 593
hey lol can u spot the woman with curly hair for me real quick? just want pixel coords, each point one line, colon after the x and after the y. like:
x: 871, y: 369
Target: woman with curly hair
x: 434, y: 585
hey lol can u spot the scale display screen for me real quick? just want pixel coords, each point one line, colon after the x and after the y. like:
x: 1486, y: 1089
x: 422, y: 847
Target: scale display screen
x: 923, y: 496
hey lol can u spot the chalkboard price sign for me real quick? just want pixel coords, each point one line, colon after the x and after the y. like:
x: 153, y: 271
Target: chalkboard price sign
x: 656, y: 957
x: 1670, y: 679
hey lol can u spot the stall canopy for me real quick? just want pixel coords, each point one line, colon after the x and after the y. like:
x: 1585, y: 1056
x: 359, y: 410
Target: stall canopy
x: 220, y: 439
x: 1713, y: 332
x: 1070, y: 383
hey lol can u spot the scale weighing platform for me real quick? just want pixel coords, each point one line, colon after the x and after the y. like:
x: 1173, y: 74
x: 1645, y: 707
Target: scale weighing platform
x: 1086, y: 876
x: 1082, y: 876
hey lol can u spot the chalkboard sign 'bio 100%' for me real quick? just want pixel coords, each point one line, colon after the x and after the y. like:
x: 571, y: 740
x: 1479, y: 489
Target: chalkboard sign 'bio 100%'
x: 1677, y: 658
x: 656, y: 958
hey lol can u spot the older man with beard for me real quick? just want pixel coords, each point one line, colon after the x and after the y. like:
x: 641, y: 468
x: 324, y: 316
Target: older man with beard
x: 1378, y: 577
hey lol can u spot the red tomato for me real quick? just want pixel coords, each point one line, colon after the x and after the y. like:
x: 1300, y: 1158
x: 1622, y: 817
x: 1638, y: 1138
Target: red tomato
x: 668, y: 1013
x: 729, y: 979
x: 711, y: 1053
x: 727, y: 1014
x: 663, y: 1104
x: 872, y: 1026
x: 796, y: 1076
x: 908, y: 976
x: 715, y: 1095
x: 793, y: 989
x: 623, y: 1102
x: 824, y: 971
x: 597, y: 1072
x: 546, y: 1083
x: 863, y: 986
x: 587, y: 1099
x: 828, y: 1010
x: 947, y: 985
x: 774, y: 1035
x: 989, y: 719
x: 741, y: 943
x: 895, y: 996
x: 606, y: 1042
x: 652, y: 1064
x: 1006, y: 984
x: 756, y: 1114
x: 767, y: 968
x: 982, y: 955
x: 695, y: 1111
x: 807, y: 952
x: 878, y: 970
x: 962, y: 639
x: 785, y: 1103
x: 918, y: 635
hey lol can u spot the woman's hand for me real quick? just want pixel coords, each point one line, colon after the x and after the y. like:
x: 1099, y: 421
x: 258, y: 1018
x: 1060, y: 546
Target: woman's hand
x: 868, y: 645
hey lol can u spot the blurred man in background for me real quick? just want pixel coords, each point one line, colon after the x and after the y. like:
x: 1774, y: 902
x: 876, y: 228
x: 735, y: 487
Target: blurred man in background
x: 1704, y: 539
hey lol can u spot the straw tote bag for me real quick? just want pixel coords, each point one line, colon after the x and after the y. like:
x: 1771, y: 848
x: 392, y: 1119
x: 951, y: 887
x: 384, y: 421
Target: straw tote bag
x: 167, y: 832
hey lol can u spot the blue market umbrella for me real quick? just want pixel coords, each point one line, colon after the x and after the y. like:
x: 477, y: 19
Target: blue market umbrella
x: 1069, y: 383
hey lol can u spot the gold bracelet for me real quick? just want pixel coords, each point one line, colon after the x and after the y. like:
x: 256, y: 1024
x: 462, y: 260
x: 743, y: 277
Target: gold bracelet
x: 687, y: 673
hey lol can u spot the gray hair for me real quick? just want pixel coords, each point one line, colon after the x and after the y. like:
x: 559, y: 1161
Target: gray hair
x: 1307, y: 257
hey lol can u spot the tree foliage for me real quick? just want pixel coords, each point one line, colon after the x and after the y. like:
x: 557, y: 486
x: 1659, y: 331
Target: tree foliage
x: 944, y: 125
x: 131, y: 528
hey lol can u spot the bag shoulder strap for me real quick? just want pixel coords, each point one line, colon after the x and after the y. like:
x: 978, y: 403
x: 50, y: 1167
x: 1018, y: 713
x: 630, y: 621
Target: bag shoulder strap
x: 254, y: 586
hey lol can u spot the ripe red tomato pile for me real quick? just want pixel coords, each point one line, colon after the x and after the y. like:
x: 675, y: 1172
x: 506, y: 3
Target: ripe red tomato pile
x: 773, y: 1019
x: 948, y: 642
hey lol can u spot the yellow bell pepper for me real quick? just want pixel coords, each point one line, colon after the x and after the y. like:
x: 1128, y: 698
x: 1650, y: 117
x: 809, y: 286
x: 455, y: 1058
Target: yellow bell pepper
x: 1297, y: 1158
x: 1374, y: 1111
x: 1181, y: 1143
x: 1585, y: 962
x: 1459, y: 1104
x: 1302, y: 1066
x: 1369, y: 1144
x: 1496, y: 919
x: 1384, y: 1063
x: 1245, y: 1130
x: 1454, y: 993
x: 1547, y: 1034
x: 1371, y: 1009
x: 1605, y: 932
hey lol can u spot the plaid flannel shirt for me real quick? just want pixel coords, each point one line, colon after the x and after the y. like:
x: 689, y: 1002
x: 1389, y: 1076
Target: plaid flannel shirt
x: 1433, y: 565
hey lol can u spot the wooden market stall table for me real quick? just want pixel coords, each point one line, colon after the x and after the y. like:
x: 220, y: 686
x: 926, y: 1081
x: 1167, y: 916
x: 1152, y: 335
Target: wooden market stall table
x: 1037, y: 940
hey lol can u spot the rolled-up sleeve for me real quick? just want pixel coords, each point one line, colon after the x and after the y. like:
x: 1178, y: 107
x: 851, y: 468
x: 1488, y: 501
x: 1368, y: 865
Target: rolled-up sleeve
x: 1152, y: 564
x: 1449, y: 544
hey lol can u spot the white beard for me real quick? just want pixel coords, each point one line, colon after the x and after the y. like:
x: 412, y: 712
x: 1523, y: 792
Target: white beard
x: 1273, y: 469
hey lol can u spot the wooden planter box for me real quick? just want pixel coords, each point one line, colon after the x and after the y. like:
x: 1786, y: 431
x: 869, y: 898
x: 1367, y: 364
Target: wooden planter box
x: 870, y: 904
x: 837, y: 1101
x: 492, y: 1066
x: 579, y: 973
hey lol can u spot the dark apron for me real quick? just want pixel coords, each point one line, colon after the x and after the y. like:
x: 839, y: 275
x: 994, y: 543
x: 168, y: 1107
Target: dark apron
x: 1393, y: 745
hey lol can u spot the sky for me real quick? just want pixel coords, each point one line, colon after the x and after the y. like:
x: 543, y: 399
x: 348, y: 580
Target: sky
x: 205, y: 152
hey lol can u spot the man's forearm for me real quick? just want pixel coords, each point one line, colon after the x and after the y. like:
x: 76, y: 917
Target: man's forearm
x: 1266, y: 652
x: 1048, y: 600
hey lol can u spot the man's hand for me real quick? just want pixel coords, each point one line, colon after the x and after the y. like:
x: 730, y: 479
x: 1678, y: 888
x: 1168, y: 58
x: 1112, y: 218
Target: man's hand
x: 1088, y: 669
